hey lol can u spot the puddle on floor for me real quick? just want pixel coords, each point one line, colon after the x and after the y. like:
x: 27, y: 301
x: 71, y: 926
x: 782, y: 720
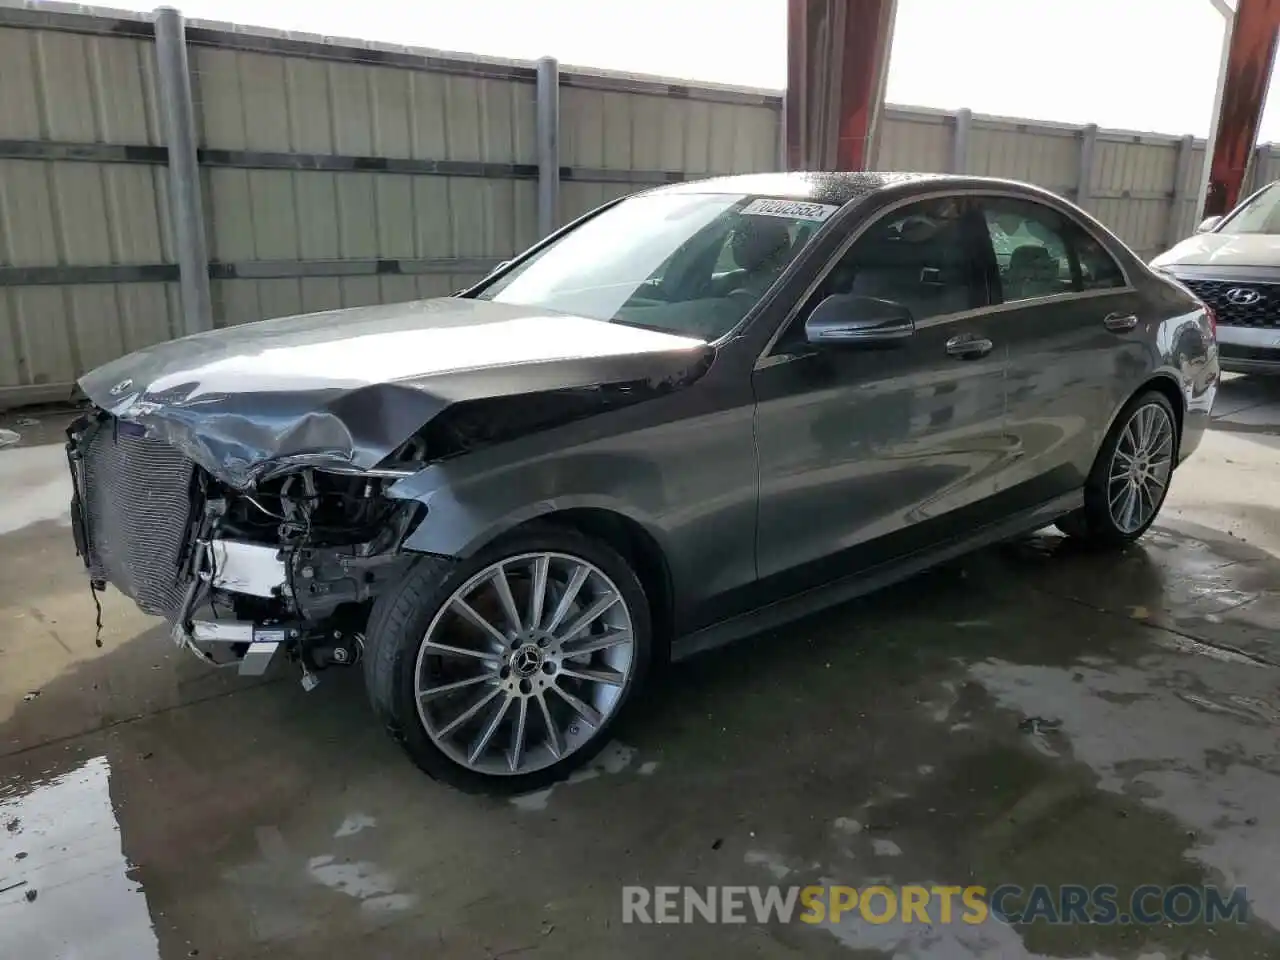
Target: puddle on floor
x: 63, y: 873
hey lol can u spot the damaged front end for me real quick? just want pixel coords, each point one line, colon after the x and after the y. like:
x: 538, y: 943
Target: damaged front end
x: 289, y: 566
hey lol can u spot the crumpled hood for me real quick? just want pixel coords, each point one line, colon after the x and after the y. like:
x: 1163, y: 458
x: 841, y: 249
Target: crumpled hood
x: 346, y: 388
x: 1224, y: 250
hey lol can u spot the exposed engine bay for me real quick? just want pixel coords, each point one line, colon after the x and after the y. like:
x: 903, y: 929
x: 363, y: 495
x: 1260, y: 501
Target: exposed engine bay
x: 292, y: 562
x: 290, y: 567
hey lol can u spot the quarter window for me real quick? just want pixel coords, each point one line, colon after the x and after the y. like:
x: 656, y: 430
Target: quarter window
x: 1098, y: 269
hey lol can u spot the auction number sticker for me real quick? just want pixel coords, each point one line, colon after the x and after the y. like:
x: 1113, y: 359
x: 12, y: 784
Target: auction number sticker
x: 791, y: 209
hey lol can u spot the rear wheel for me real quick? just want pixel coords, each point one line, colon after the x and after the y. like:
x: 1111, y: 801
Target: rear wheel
x: 1130, y: 477
x: 507, y: 672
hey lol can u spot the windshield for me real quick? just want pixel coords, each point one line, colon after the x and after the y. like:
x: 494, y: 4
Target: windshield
x: 1259, y: 214
x: 686, y: 263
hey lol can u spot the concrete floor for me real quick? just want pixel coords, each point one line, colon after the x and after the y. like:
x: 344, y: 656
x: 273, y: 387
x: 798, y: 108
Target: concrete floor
x: 1027, y: 715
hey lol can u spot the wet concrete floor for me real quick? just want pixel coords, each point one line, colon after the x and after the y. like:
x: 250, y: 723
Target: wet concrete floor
x: 1028, y: 715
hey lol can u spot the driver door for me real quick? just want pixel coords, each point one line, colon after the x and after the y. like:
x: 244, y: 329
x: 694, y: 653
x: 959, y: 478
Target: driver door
x: 866, y: 453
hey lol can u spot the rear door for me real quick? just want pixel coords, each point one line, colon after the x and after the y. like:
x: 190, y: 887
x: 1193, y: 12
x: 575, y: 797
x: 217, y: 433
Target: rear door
x: 1069, y: 319
x: 869, y: 454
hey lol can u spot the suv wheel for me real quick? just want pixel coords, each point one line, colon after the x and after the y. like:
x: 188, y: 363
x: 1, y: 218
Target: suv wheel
x: 1130, y: 476
x: 506, y: 672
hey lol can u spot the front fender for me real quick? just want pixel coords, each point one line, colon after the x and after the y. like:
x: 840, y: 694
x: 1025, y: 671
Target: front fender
x: 469, y: 506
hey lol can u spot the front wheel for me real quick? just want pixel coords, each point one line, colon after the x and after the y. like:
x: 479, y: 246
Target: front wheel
x: 1130, y: 477
x: 507, y: 672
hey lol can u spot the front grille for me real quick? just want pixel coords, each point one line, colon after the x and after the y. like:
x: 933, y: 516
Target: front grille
x: 1223, y: 297
x: 137, y: 507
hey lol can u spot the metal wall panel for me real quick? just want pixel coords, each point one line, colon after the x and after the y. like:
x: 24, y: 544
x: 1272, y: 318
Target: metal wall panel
x: 1183, y: 211
x: 77, y: 88
x: 611, y: 130
x: 80, y: 213
x: 298, y: 132
x: 912, y: 141
x: 247, y: 301
x: 271, y: 102
x: 321, y: 215
x: 1049, y: 158
x: 1133, y: 183
x: 1269, y: 169
x: 50, y: 334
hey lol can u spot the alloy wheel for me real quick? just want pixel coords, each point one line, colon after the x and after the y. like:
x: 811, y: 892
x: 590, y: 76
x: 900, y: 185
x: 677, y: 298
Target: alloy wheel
x: 1140, y: 468
x: 524, y: 663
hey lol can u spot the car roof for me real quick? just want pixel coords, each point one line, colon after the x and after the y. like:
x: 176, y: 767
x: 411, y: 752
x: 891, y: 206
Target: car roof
x: 837, y: 187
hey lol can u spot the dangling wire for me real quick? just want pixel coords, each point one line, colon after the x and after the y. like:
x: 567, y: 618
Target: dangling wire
x: 94, y: 589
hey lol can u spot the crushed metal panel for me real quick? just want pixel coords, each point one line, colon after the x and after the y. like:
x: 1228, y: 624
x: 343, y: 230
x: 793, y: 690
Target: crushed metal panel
x: 253, y: 568
x: 347, y: 389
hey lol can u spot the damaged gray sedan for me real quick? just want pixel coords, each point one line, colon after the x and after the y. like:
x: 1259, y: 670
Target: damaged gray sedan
x: 693, y: 414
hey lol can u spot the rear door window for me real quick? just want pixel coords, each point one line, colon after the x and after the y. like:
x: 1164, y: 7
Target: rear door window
x: 1040, y: 252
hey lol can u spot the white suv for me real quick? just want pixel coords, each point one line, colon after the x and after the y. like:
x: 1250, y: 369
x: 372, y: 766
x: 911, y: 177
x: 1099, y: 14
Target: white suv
x: 1233, y: 265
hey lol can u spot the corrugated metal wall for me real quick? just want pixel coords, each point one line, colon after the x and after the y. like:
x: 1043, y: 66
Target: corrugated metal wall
x: 259, y: 112
x: 338, y: 173
x: 62, y: 220
x: 333, y: 173
x: 1131, y: 186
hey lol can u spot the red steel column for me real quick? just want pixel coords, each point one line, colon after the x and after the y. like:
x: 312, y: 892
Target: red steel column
x: 837, y: 61
x: 1244, y: 90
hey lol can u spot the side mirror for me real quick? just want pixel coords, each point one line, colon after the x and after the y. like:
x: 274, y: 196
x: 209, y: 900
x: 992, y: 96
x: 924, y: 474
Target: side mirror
x: 1207, y: 224
x: 858, y: 321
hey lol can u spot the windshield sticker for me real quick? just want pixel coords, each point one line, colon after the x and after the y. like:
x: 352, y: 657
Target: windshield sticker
x: 791, y: 209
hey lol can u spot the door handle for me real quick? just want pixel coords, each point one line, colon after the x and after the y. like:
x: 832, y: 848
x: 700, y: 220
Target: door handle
x: 966, y: 346
x: 1120, y: 322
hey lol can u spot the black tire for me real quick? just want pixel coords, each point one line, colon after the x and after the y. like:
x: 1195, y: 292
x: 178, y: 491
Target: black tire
x: 1093, y: 525
x: 399, y: 622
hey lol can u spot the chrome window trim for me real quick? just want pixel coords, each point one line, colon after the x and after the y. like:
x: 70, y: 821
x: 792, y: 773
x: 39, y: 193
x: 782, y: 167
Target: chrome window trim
x: 969, y: 192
